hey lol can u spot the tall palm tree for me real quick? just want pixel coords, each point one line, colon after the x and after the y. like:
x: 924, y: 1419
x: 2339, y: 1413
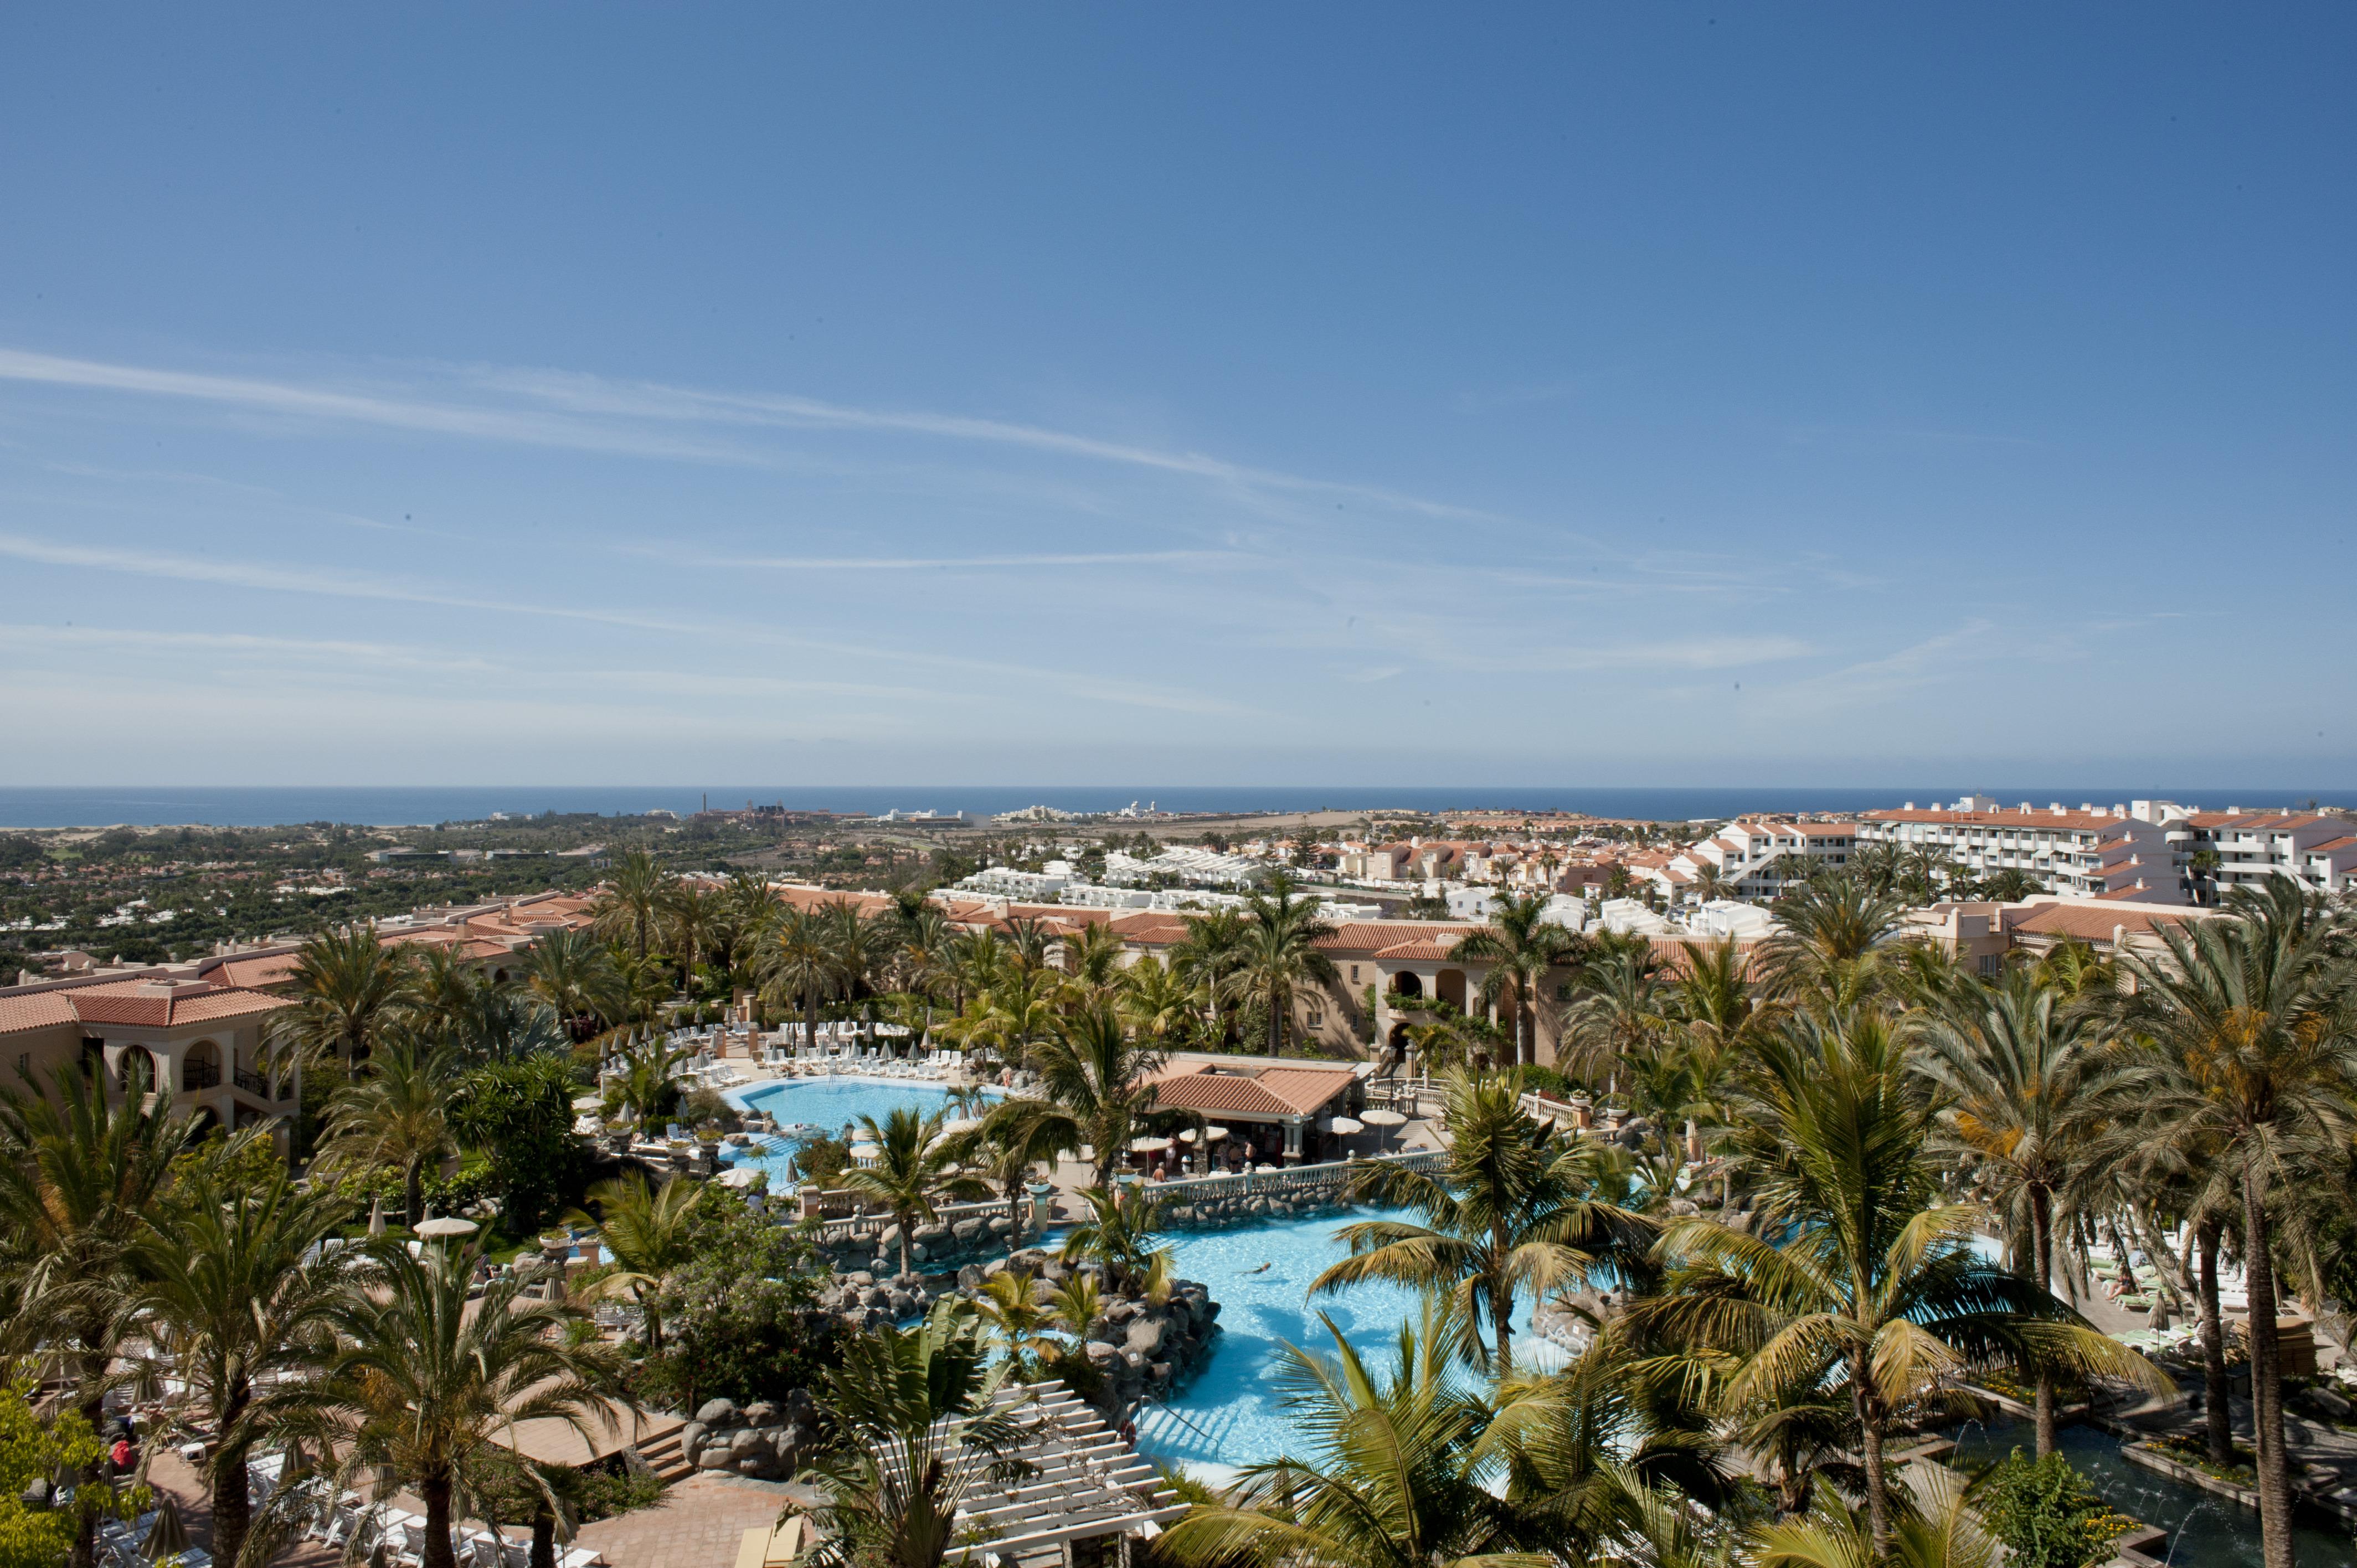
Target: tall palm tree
x: 1872, y: 1287
x: 434, y: 1386
x: 1278, y: 953
x: 348, y: 989
x: 2241, y: 1046
x: 1398, y: 1475
x: 1510, y: 1214
x: 1519, y: 945
x: 1097, y: 1090
x: 975, y: 960
x: 1018, y: 1320
x: 630, y: 906
x: 1007, y: 1152
x: 397, y: 1115
x: 1937, y: 1529
x: 859, y: 944
x: 798, y: 963
x: 915, y: 1168
x: 1027, y: 941
x: 2021, y: 1086
x: 574, y: 973
x: 648, y: 1231
x: 642, y: 1083
x: 236, y: 1298
x: 1617, y: 1011
x: 916, y: 1429
x: 692, y: 918
x: 77, y: 1176
x: 747, y: 904
x: 1208, y: 954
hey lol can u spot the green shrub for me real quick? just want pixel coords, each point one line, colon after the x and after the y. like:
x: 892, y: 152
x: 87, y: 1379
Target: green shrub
x: 1546, y: 1081
x: 2045, y: 1512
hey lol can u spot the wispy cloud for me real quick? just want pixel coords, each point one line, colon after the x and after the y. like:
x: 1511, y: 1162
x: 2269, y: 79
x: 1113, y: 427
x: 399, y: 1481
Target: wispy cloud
x: 557, y: 408
x: 931, y: 563
x: 316, y: 581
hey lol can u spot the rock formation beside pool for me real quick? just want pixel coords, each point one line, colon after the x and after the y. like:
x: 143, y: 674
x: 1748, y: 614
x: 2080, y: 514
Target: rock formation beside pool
x: 863, y: 1299
x: 763, y: 1440
x: 1138, y: 1349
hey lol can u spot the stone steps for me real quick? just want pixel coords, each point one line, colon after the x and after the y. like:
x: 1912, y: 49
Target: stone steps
x: 664, y: 1457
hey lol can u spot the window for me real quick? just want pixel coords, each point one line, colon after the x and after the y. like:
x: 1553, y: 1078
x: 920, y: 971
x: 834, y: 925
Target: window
x: 1990, y: 962
x: 1354, y: 974
x: 1563, y: 990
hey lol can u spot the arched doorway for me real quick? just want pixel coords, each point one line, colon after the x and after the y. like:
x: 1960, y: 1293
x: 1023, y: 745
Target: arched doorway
x: 1449, y: 986
x: 142, y: 1066
x: 1409, y: 984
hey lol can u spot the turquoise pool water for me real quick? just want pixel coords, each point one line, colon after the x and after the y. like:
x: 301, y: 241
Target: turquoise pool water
x: 1230, y: 1414
x: 826, y: 1103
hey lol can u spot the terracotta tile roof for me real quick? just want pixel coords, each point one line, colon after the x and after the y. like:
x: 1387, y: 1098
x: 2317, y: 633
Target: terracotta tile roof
x: 253, y: 971
x: 1421, y: 949
x: 140, y: 1004
x: 2088, y: 924
x: 2076, y: 822
x: 1371, y: 936
x: 2330, y: 846
x: 1150, y: 927
x: 1267, y: 1091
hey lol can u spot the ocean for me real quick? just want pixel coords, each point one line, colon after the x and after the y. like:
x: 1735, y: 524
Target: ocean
x: 269, y: 806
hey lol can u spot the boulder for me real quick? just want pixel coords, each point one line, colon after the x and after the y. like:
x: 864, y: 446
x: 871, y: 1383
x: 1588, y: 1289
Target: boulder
x: 901, y: 1304
x: 762, y: 1413
x: 1118, y: 1311
x: 971, y: 1275
x: 691, y: 1438
x: 744, y: 1441
x: 932, y: 1233
x: 1145, y: 1335
x: 715, y: 1456
x: 862, y: 1279
x: 1001, y: 1226
x: 717, y: 1412
x: 1101, y: 1356
x: 2327, y: 1403
x: 967, y: 1230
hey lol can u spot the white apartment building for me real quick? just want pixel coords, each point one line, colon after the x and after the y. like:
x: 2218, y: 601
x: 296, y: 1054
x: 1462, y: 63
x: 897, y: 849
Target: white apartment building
x: 2319, y: 852
x: 1754, y: 858
x: 2114, y: 853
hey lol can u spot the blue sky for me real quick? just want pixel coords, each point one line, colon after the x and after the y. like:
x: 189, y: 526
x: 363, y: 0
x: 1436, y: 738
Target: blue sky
x: 1219, y: 395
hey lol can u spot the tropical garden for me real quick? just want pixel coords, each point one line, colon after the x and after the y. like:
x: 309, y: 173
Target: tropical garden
x: 1848, y: 1184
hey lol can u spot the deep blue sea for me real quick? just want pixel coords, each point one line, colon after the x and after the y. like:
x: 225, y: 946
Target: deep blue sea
x: 33, y: 806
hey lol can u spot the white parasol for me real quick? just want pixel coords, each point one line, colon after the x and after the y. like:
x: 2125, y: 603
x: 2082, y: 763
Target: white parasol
x: 1150, y: 1146
x: 1211, y: 1134
x: 376, y: 1216
x: 448, y: 1225
x: 957, y: 1124
x: 741, y: 1176
x: 587, y: 1101
x: 1379, y: 1118
x: 864, y: 1154
x: 1342, y: 1125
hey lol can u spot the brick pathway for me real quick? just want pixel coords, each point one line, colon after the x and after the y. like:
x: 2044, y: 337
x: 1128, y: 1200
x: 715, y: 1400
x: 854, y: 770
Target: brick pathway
x: 700, y: 1523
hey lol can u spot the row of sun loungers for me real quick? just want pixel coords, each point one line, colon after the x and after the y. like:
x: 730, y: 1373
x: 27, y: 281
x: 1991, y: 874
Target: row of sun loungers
x: 355, y: 1527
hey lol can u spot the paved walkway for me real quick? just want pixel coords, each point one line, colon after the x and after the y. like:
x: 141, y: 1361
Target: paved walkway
x: 700, y: 1523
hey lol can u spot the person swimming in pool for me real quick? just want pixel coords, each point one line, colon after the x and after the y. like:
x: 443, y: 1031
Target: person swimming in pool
x: 1262, y: 1270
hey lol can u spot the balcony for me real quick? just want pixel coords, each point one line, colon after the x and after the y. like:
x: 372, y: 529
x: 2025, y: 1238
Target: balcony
x: 196, y: 1075
x: 253, y: 1082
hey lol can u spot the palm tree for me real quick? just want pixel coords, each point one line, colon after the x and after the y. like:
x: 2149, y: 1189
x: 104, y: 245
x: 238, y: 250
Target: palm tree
x: 2018, y: 1078
x: 641, y: 1082
x: 694, y: 918
x: 1007, y: 1152
x: 2008, y: 885
x: 747, y: 905
x: 1157, y: 1002
x: 348, y: 988
x: 1092, y: 955
x: 77, y: 1176
x: 858, y: 944
x: 915, y: 1168
x: 396, y: 1114
x: 1208, y: 954
x: 236, y: 1298
x: 574, y: 973
x: 1871, y: 1286
x: 648, y: 1231
x: 1118, y: 1235
x: 975, y: 960
x: 2241, y: 1050
x: 1519, y: 945
x: 1018, y: 1319
x: 1396, y: 1475
x: 1937, y: 1529
x: 434, y: 1386
x: 798, y: 963
x: 917, y: 1427
x: 1511, y: 1211
x: 1278, y: 953
x: 1027, y: 941
x: 1830, y: 926
x: 632, y: 903
x: 1098, y: 1091
x: 1616, y: 1012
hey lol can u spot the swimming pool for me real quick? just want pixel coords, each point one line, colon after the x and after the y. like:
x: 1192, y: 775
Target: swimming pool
x: 1230, y: 1414
x: 826, y: 1103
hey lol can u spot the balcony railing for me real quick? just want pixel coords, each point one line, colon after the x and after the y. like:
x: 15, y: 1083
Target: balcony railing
x: 253, y: 1082
x: 199, y: 1075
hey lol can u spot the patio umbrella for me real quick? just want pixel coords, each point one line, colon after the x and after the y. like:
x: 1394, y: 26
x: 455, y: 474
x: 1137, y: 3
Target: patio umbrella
x: 957, y: 1124
x: 1342, y: 1125
x: 169, y: 1538
x: 740, y: 1175
x: 1379, y: 1118
x: 376, y: 1216
x: 587, y: 1101
x: 447, y: 1226
x: 1150, y: 1146
x: 1211, y: 1134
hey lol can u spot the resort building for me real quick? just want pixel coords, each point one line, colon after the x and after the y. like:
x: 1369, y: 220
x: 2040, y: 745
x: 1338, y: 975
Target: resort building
x: 202, y: 1041
x: 1275, y: 1109
x: 2319, y: 852
x: 2100, y: 854
x: 1750, y: 858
